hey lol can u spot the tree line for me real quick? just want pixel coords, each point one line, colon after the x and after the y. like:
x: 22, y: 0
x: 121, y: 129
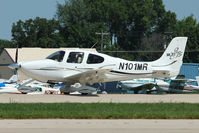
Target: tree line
x: 133, y: 25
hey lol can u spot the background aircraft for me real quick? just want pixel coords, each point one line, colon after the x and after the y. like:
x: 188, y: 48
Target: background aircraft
x: 79, y: 67
x: 11, y: 86
x: 12, y: 79
x: 158, y: 85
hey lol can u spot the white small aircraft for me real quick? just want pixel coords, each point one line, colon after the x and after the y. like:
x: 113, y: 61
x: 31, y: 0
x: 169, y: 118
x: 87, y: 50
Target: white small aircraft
x: 30, y: 88
x: 13, y: 79
x: 9, y: 89
x: 79, y: 67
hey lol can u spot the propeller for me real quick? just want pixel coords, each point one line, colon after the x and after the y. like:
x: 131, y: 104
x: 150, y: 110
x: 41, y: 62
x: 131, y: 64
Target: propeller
x: 15, y: 65
x: 16, y: 55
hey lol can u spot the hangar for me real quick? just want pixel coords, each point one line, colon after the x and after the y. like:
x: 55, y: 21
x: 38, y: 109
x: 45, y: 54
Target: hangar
x: 190, y: 70
x: 24, y: 54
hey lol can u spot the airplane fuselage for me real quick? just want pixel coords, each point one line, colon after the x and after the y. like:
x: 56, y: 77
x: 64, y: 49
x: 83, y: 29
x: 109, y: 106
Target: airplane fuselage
x: 53, y: 70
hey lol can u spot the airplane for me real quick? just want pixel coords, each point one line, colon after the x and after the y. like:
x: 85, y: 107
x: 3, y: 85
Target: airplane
x: 177, y: 86
x: 9, y: 89
x: 144, y: 85
x: 158, y: 85
x: 13, y: 79
x: 29, y: 88
x: 9, y: 85
x: 80, y: 67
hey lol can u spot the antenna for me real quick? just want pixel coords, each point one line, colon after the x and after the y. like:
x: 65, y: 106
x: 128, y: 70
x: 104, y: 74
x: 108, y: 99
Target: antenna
x: 94, y: 45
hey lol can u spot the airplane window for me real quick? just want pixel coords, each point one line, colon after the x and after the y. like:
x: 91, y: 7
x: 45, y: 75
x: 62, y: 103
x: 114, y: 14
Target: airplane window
x: 75, y: 57
x: 57, y: 56
x: 94, y: 59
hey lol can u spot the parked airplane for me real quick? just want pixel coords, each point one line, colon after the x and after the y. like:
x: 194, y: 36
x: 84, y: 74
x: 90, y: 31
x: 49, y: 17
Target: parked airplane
x: 159, y: 85
x: 9, y: 89
x: 26, y: 87
x: 79, y: 67
x: 9, y: 85
x: 12, y: 79
x: 144, y: 85
x: 30, y: 88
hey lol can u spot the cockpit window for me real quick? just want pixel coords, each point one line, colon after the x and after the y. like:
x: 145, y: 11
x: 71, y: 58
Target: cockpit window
x: 94, y: 59
x: 57, y: 56
x: 75, y: 57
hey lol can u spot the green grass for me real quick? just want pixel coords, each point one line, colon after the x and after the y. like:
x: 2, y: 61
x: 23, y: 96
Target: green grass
x: 99, y: 110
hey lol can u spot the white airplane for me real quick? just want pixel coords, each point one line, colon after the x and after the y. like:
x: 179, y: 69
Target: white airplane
x: 9, y: 89
x: 79, y: 67
x: 147, y: 85
x: 9, y: 85
x: 30, y: 88
x: 13, y: 79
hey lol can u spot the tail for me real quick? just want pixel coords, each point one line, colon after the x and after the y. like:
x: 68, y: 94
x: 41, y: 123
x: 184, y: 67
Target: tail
x: 172, y: 58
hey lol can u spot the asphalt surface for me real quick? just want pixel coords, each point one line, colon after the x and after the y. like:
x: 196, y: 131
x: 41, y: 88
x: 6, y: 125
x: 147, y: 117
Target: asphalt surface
x: 98, y: 126
x: 114, y: 98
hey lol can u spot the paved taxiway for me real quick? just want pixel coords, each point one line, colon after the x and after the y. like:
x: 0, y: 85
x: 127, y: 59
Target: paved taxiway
x: 98, y: 126
x: 115, y: 98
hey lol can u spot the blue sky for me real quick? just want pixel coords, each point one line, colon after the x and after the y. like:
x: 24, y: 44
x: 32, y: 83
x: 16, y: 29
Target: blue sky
x: 183, y: 8
x: 13, y: 10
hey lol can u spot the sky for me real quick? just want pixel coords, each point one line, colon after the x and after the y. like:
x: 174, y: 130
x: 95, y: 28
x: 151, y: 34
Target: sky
x: 13, y: 10
x: 183, y: 8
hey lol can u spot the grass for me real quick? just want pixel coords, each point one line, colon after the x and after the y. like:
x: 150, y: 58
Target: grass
x: 99, y: 110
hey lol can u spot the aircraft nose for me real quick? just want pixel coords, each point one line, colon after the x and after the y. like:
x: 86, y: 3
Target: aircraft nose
x: 15, y: 66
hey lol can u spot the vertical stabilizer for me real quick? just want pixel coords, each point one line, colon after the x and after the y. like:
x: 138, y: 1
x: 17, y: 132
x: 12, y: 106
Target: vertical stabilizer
x: 172, y: 58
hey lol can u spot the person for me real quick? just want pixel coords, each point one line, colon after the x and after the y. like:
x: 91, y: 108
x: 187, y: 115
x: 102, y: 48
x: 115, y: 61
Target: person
x: 79, y: 59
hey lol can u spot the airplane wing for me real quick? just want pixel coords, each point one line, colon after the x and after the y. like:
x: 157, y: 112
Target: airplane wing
x: 184, y: 80
x: 147, y: 86
x: 91, y: 76
x: 135, y: 86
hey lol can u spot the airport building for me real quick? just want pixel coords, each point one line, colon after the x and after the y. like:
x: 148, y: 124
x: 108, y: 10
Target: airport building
x: 190, y: 70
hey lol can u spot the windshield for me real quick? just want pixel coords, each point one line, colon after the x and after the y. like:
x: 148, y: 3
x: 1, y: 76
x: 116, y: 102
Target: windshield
x: 57, y: 56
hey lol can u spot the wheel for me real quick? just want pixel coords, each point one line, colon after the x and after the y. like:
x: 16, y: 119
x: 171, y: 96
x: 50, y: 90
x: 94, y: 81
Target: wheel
x: 84, y: 93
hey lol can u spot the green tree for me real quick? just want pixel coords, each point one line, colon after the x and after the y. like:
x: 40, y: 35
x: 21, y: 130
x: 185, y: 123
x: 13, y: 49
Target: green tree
x: 6, y: 44
x: 39, y: 32
x: 75, y: 26
x: 127, y: 21
x: 190, y: 28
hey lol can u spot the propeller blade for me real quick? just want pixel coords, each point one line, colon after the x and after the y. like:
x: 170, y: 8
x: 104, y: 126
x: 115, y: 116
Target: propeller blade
x: 16, y: 56
x: 4, y: 64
